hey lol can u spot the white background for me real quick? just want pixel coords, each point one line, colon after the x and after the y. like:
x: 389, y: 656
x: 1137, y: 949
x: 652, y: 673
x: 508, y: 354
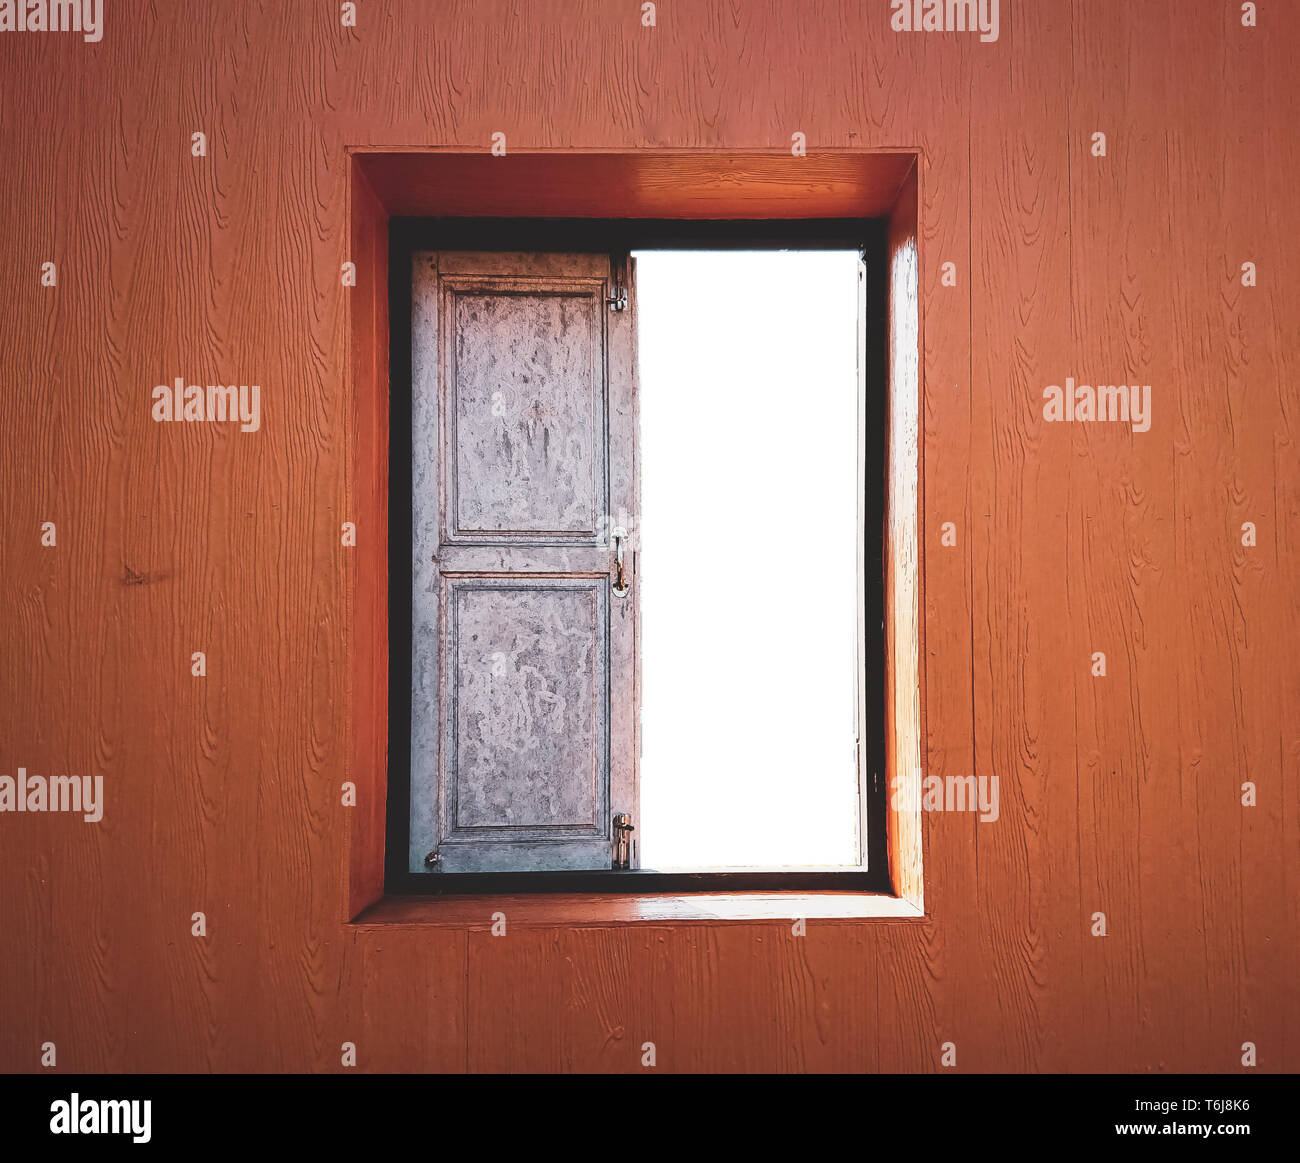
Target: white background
x: 747, y: 557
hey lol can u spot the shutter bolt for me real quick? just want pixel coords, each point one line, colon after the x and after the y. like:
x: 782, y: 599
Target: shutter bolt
x: 622, y: 840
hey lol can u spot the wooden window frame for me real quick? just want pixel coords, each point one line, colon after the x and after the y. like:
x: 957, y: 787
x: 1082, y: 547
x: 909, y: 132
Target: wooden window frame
x: 400, y: 202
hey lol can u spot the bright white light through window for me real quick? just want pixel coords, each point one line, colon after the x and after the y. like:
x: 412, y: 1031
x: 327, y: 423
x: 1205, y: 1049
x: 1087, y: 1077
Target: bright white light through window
x: 748, y: 540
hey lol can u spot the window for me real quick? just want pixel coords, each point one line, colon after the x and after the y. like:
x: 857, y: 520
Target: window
x: 645, y: 555
x: 747, y: 544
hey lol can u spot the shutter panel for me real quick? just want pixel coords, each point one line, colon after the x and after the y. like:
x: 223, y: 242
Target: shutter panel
x: 524, y: 669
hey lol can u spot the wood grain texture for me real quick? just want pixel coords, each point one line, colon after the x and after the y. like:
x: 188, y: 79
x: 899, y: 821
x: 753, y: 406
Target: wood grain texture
x: 366, y: 729
x: 665, y: 184
x: 1119, y: 794
x: 565, y: 910
x: 902, y: 558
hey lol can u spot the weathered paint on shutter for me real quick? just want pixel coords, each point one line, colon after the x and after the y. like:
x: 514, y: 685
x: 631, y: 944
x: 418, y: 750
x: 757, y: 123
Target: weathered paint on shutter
x: 524, y: 669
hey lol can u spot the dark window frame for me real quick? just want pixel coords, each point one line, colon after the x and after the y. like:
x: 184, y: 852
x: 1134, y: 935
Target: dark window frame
x: 620, y: 236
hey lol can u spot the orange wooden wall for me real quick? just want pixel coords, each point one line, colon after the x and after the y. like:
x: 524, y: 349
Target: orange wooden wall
x: 1120, y: 795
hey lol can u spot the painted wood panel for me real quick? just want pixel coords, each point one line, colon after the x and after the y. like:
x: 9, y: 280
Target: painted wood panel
x: 525, y: 403
x: 223, y: 794
x: 528, y: 707
x: 523, y: 661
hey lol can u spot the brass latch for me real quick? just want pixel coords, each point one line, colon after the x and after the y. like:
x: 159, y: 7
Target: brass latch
x: 620, y: 576
x: 623, y: 830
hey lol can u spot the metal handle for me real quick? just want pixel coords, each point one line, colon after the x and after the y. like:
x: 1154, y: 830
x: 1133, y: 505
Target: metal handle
x: 620, y: 587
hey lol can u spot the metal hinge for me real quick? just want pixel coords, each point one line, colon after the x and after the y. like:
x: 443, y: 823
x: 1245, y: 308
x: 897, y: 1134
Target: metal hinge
x: 623, y: 829
x: 617, y: 301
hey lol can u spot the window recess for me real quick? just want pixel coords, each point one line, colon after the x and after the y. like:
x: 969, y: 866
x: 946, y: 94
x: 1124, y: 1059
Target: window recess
x: 522, y: 637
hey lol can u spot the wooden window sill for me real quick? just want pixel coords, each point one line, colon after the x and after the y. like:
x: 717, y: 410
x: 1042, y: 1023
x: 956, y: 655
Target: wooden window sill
x: 569, y: 910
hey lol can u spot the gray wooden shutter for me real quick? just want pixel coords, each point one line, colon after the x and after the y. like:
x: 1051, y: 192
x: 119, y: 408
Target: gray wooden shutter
x: 524, y: 671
